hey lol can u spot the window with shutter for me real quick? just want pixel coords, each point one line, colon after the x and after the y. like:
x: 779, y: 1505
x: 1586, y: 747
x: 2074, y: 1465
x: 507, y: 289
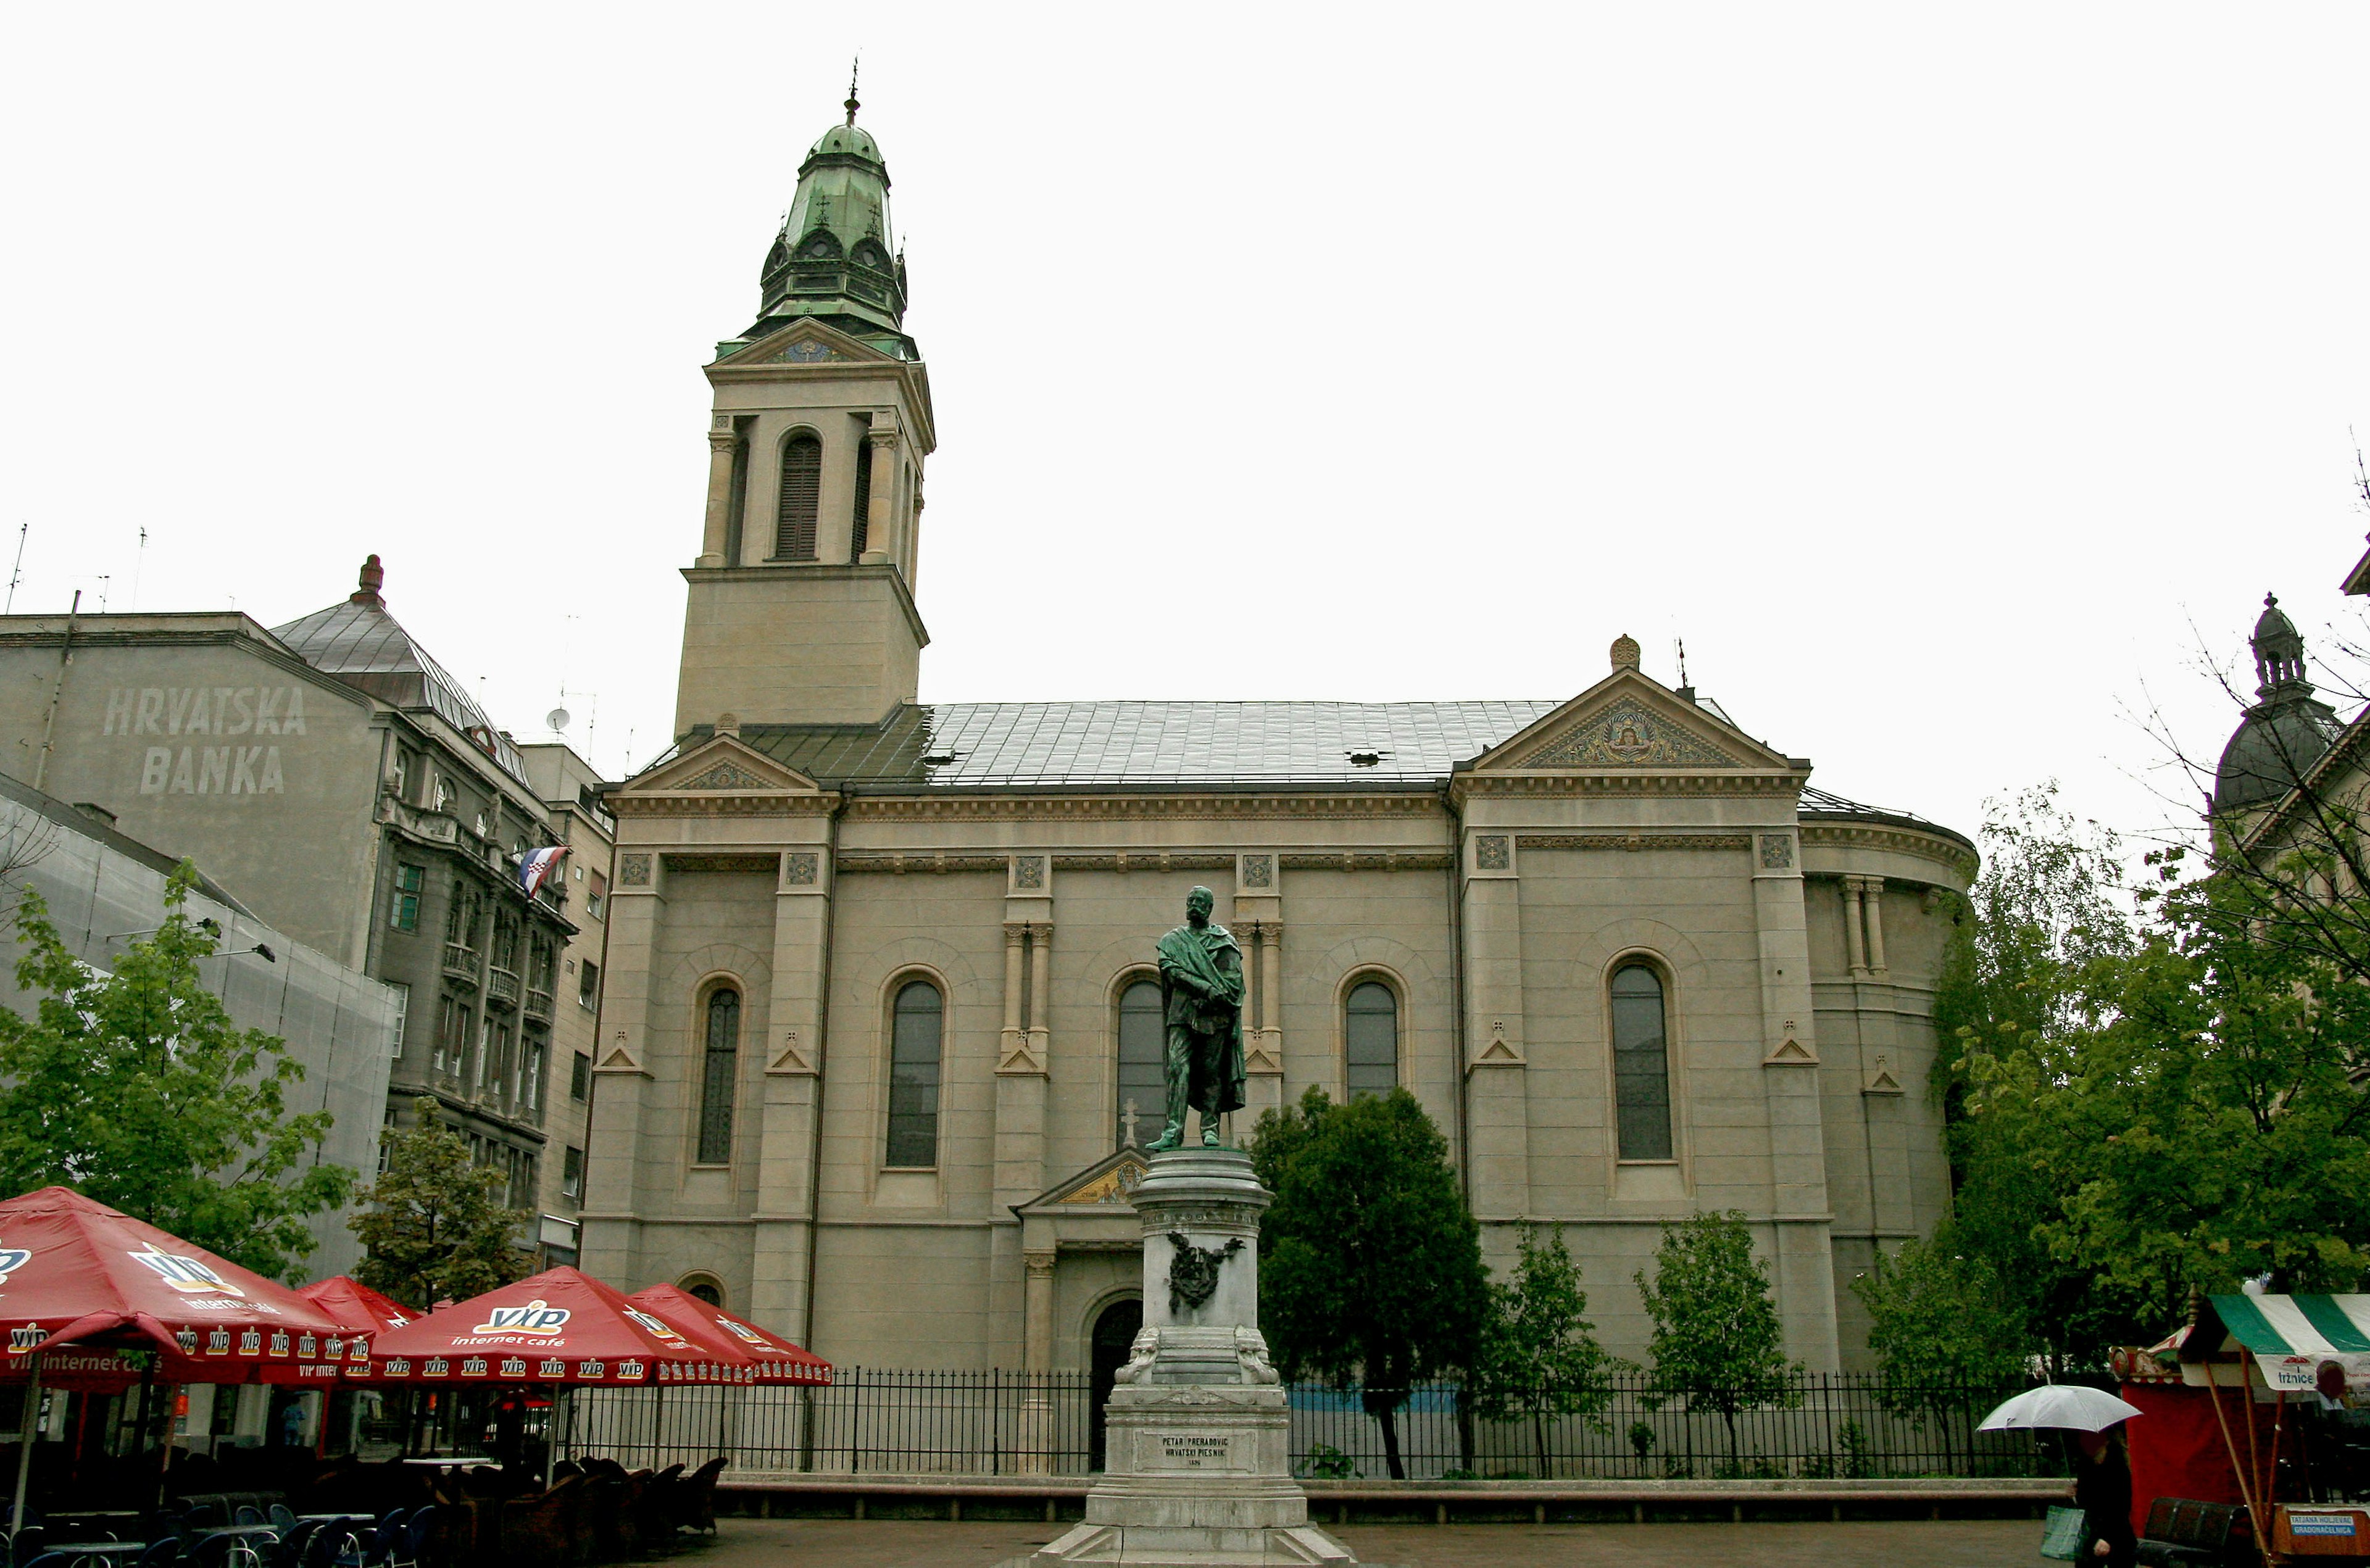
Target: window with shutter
x: 717, y: 1082
x: 1641, y: 1071
x: 859, y: 521
x: 913, y: 1045
x: 1369, y: 1039
x: 794, y: 524
x: 1143, y: 1065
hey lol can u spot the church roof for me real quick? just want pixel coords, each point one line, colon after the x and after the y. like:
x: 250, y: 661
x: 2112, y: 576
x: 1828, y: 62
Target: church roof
x: 1024, y: 745
x: 362, y: 645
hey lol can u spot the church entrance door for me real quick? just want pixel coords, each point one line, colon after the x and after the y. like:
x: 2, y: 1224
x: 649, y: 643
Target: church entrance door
x: 1115, y: 1330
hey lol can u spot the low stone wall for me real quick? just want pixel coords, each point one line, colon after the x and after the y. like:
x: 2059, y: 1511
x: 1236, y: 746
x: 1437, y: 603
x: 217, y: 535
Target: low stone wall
x: 1057, y: 1498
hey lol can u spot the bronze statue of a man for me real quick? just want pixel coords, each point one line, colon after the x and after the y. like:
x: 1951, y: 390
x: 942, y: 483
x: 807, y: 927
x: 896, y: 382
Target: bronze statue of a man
x: 1202, y: 1000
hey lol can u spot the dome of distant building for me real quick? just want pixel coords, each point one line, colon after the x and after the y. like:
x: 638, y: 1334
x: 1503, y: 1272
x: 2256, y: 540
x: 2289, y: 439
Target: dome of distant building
x: 2285, y: 732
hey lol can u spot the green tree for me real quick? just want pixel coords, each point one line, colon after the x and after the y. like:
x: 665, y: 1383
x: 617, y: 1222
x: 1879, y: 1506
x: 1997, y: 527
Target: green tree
x: 2029, y: 966
x: 1539, y: 1355
x: 135, y: 1088
x: 434, y: 1227
x: 1717, y: 1340
x: 1938, y: 1336
x: 2211, y: 1126
x: 1370, y: 1268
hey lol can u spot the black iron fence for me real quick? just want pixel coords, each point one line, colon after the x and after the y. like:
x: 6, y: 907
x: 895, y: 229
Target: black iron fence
x: 867, y: 1420
x: 877, y: 1421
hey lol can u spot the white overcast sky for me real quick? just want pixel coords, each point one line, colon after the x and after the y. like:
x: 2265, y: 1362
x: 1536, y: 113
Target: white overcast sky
x: 1941, y: 375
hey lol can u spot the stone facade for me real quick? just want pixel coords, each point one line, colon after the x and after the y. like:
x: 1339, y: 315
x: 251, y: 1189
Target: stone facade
x: 864, y: 1062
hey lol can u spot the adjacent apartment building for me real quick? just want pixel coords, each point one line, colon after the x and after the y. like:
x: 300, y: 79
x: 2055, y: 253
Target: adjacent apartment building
x: 349, y: 790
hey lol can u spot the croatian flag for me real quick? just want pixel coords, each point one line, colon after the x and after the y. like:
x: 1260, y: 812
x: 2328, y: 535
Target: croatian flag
x: 538, y: 864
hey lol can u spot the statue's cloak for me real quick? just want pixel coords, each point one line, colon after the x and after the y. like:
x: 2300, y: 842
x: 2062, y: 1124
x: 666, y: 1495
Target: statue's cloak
x: 1193, y: 954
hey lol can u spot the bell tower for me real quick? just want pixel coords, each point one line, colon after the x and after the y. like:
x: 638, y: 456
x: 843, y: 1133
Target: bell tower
x: 801, y: 603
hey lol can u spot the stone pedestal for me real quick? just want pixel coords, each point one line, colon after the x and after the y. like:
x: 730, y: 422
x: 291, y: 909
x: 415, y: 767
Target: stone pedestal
x: 1198, y: 1469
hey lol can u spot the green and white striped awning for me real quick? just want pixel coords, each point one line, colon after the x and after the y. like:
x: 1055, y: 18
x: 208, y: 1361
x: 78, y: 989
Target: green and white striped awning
x: 2289, y: 1337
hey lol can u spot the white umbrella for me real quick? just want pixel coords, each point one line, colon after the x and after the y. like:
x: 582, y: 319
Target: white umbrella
x: 2065, y: 1406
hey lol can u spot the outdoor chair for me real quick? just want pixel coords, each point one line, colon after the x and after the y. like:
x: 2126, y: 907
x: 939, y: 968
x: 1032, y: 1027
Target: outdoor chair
x: 247, y: 1514
x: 288, y: 1551
x: 161, y: 1552
x: 2183, y: 1531
x: 51, y: 1559
x: 27, y: 1544
x: 694, y: 1504
x: 410, y: 1542
x: 281, y: 1516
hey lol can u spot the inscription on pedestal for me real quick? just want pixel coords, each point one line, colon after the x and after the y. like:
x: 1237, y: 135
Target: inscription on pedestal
x: 1191, y: 1450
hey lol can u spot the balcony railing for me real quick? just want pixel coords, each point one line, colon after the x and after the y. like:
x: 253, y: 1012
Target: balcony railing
x: 502, y: 986
x: 460, y: 962
x: 538, y: 1004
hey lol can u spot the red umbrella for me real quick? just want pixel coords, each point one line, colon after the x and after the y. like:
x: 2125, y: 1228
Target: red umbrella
x: 77, y: 1273
x: 778, y: 1361
x: 560, y: 1326
x: 362, y: 1312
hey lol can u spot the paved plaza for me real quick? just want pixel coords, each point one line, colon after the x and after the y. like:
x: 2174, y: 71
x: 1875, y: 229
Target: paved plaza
x: 899, y: 1543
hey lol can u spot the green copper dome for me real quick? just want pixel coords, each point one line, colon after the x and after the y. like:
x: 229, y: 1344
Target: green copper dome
x: 852, y: 139
x: 835, y: 259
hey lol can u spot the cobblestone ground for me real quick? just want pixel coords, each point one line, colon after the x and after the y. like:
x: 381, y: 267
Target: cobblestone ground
x: 894, y: 1543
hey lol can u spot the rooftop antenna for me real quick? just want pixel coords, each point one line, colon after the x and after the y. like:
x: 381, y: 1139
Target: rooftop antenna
x: 852, y: 105
x: 16, y: 572
x: 1683, y: 659
x: 139, y: 560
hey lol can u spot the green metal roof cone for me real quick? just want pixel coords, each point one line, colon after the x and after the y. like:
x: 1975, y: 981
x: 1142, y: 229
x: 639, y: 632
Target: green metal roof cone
x: 835, y: 259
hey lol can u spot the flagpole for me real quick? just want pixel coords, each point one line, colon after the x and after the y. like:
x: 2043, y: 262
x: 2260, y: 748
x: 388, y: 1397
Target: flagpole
x: 25, y: 1446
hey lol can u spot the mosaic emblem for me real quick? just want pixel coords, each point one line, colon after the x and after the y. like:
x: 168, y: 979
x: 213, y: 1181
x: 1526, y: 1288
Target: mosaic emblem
x: 1492, y: 851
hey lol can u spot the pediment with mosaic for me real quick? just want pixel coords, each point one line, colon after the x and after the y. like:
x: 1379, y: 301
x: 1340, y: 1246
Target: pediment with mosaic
x: 1628, y: 734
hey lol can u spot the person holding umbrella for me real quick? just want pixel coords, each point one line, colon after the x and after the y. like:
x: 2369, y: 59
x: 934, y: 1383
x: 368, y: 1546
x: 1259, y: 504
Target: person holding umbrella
x: 2102, y: 1489
x: 2102, y: 1475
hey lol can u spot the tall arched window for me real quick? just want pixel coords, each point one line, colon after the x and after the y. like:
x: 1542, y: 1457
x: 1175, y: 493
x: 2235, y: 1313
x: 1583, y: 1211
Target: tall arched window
x: 1370, y: 1038
x: 794, y: 520
x: 1143, y: 1078
x: 1641, y: 1068
x: 717, y: 1078
x: 916, y: 1022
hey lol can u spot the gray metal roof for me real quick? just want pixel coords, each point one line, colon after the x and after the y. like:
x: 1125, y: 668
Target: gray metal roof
x: 367, y: 649
x: 1021, y: 744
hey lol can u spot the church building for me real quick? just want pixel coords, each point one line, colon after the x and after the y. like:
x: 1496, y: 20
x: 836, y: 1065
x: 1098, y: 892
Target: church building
x: 881, y: 1037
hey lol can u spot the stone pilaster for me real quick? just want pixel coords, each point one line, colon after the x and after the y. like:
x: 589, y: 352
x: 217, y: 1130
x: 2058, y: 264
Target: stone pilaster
x: 790, y: 1112
x: 721, y: 439
x: 881, y: 511
x: 1496, y: 1070
x: 612, y: 1186
x: 1804, y: 1265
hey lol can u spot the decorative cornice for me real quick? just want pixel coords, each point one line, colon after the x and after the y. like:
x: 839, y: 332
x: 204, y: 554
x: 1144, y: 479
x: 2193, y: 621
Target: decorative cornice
x: 898, y: 863
x: 769, y: 805
x: 1387, y: 860
x: 1925, y: 846
x: 1124, y: 860
x: 1466, y: 786
x: 1633, y: 841
x: 771, y: 864
x: 1238, y: 807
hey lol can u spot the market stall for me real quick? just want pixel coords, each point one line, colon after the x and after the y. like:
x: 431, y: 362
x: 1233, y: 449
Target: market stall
x: 2305, y: 1361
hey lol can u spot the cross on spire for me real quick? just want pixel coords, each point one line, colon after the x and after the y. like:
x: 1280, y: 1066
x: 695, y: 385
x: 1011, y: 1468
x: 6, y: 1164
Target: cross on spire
x: 1128, y: 1119
x: 852, y: 105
